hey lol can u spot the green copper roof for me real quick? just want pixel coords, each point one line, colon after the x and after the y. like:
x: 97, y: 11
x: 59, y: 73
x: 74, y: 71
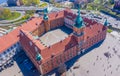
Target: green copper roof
x: 38, y: 57
x: 79, y: 21
x: 45, y: 17
x: 106, y: 23
x: 45, y: 10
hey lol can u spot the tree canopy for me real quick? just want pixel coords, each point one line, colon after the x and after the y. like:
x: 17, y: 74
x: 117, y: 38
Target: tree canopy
x: 31, y: 2
x: 5, y: 13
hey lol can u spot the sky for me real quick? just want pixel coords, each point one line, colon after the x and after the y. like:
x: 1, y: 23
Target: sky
x: 2, y: 1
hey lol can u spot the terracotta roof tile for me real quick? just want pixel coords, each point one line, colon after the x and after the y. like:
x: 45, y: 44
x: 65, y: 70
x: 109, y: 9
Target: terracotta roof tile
x: 58, y: 47
x: 13, y: 37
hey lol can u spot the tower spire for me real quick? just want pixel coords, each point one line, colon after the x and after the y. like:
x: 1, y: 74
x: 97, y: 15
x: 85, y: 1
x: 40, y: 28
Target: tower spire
x: 45, y: 17
x: 79, y: 21
x: 106, y: 22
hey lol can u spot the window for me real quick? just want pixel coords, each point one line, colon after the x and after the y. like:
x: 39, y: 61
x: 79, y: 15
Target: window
x: 13, y: 50
x: 21, y: 33
x: 30, y: 43
x: 5, y: 52
x: 8, y: 50
x: 12, y: 47
x: 15, y: 45
x: 36, y: 49
x: 0, y: 56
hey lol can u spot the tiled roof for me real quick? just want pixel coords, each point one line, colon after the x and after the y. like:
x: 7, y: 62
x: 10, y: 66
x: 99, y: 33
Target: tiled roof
x: 11, y: 38
x: 92, y: 30
x: 46, y: 52
x: 58, y: 47
x: 54, y: 15
x: 69, y: 14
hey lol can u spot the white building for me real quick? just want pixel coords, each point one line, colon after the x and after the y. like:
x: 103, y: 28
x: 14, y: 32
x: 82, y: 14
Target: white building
x: 8, y: 54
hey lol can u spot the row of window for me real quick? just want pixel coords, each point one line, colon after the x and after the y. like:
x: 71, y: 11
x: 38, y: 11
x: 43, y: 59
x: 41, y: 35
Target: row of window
x: 56, y: 61
x: 68, y: 21
x: 56, y: 23
x: 95, y: 39
x: 9, y: 51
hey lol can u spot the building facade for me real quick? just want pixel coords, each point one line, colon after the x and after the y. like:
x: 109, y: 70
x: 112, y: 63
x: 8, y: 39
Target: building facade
x: 85, y: 33
x: 6, y: 56
x: 14, y: 2
x: 117, y: 5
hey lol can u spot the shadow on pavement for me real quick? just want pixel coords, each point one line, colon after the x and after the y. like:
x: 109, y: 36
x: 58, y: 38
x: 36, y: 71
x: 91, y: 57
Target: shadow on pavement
x: 19, y: 59
x: 71, y: 62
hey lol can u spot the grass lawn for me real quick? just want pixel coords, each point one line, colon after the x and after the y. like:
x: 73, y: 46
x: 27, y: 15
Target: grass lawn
x: 109, y: 30
x: 23, y: 18
x: 13, y: 16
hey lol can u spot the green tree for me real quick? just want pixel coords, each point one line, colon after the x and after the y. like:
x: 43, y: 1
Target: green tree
x: 36, y: 2
x: 25, y: 2
x: 31, y: 2
x: 6, y: 13
x: 30, y: 12
x: 96, y: 1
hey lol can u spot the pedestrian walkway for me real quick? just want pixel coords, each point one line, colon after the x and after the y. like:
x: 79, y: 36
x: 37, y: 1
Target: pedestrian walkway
x: 101, y: 61
x: 2, y: 31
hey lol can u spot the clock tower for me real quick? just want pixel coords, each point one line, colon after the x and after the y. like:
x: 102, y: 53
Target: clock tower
x: 78, y: 30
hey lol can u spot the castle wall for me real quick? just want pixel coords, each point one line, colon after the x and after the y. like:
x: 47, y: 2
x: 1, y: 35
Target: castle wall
x: 93, y: 40
x: 29, y: 48
x: 58, y: 59
x: 61, y: 57
x: 56, y: 23
x: 48, y: 25
x: 39, y: 31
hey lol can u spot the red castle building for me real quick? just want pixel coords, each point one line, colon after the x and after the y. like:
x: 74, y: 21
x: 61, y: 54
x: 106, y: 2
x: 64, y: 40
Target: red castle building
x: 57, y: 37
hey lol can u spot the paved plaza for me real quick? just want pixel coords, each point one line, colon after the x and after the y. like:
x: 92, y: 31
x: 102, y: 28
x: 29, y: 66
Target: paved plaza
x: 101, y: 61
x: 12, y: 71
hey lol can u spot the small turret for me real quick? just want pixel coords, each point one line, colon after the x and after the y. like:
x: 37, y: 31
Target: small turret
x: 106, y: 23
x: 45, y: 17
x: 78, y: 30
x: 38, y: 57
